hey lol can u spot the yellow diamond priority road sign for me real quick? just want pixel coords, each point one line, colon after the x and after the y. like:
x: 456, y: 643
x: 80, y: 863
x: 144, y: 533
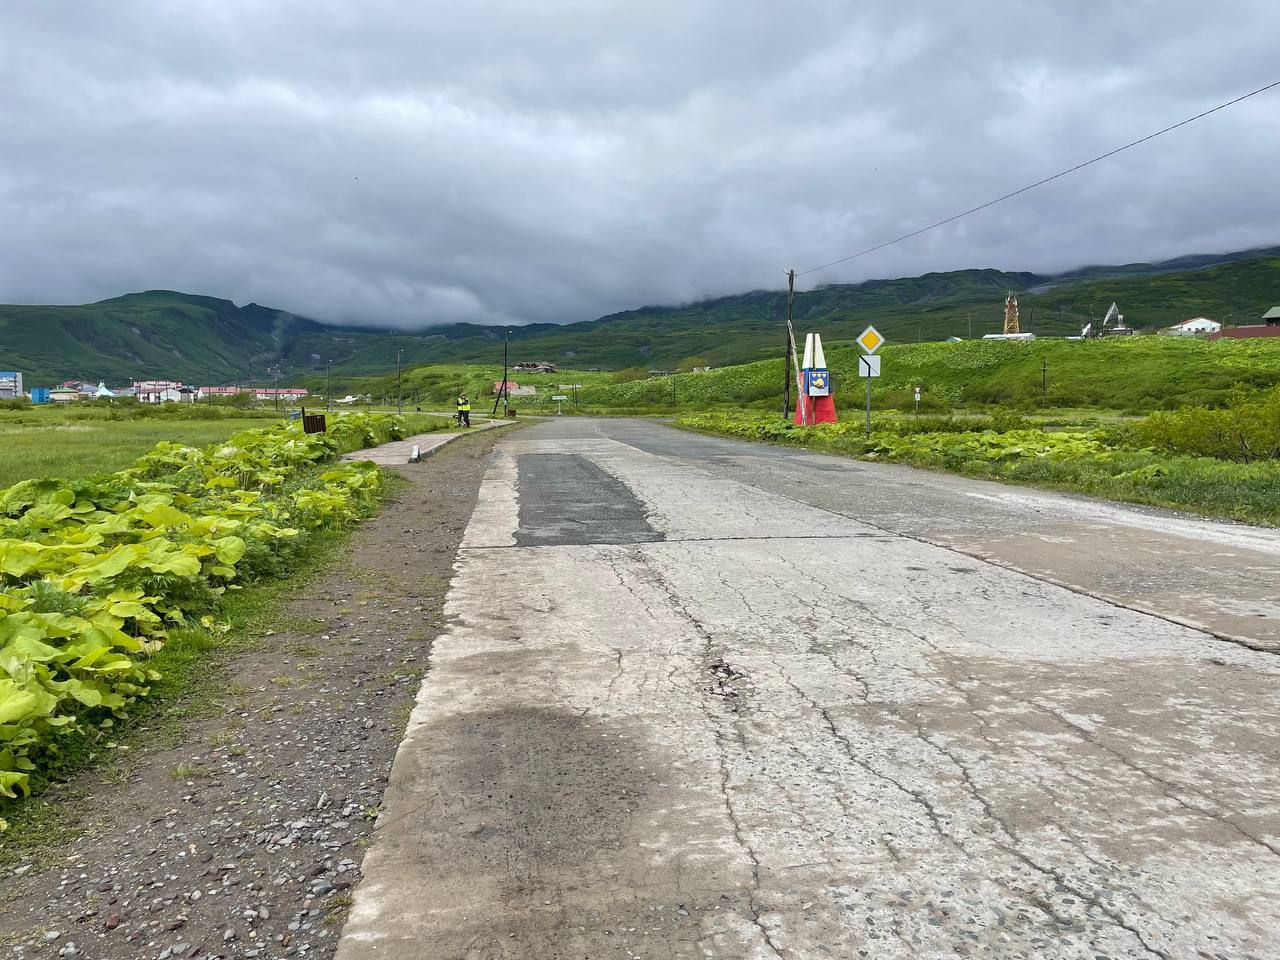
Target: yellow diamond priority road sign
x: 870, y: 340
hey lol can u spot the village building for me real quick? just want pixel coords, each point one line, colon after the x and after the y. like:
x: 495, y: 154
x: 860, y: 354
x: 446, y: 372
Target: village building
x: 10, y: 385
x: 157, y: 391
x: 1193, y: 327
x: 260, y: 393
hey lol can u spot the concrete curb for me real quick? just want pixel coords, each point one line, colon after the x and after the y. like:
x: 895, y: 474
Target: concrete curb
x: 397, y: 453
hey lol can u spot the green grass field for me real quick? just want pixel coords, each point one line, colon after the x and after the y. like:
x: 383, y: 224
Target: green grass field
x: 77, y: 441
x: 60, y: 447
x: 1133, y: 374
x: 436, y: 386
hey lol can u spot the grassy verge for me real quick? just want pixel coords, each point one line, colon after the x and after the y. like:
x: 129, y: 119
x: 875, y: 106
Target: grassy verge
x: 1098, y: 461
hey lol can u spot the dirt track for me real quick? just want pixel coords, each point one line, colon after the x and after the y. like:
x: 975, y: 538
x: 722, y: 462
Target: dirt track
x: 244, y: 839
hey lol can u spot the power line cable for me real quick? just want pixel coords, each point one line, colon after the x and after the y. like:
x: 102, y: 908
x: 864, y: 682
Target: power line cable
x: 1041, y: 183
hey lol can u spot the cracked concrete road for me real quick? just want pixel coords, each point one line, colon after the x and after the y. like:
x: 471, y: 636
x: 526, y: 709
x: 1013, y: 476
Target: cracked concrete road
x: 702, y: 698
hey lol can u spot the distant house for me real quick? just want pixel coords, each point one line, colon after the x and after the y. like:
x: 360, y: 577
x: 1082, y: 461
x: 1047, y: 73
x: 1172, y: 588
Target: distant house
x: 10, y: 385
x: 284, y: 393
x: 102, y: 391
x: 539, y: 366
x: 1194, y: 326
x: 157, y: 391
x: 261, y: 393
x: 510, y: 385
x: 63, y: 395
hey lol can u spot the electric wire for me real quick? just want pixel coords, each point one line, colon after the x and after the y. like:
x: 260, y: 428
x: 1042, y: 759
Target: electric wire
x: 1041, y: 183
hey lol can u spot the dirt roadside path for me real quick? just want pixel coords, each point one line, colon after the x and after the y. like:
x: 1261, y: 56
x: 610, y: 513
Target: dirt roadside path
x: 245, y: 838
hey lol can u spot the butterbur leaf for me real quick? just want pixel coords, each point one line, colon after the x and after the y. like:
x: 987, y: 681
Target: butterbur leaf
x: 166, y: 516
x: 10, y: 784
x: 24, y: 701
x: 19, y: 558
x: 229, y: 550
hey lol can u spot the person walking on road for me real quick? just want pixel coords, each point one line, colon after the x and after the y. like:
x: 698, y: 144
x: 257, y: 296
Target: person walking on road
x: 464, y: 410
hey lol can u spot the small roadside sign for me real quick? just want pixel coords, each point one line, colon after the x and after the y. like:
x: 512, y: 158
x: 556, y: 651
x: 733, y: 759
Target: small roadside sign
x: 868, y: 366
x: 559, y: 397
x: 870, y: 340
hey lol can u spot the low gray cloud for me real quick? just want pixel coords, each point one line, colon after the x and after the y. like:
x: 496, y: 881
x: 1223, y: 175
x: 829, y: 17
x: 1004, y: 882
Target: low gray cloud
x: 506, y: 162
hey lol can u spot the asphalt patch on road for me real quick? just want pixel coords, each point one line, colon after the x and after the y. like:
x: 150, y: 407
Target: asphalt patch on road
x: 566, y: 499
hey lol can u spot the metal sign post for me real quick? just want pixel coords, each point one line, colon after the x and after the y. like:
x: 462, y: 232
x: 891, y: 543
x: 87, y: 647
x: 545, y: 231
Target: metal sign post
x: 870, y: 341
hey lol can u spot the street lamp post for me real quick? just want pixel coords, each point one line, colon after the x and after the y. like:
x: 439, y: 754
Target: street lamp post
x: 398, y: 391
x: 328, y: 397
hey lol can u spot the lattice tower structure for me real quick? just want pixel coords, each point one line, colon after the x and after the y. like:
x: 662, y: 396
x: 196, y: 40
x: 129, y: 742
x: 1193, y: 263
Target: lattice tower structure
x: 1011, y: 314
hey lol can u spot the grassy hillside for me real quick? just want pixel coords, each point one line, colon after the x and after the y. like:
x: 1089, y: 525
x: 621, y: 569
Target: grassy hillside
x: 162, y: 333
x: 1134, y: 373
x: 437, y: 385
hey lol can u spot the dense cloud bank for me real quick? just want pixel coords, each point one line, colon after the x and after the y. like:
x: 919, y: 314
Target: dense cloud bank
x: 409, y: 164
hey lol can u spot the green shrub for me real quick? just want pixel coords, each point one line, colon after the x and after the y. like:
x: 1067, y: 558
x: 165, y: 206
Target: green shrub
x: 1246, y: 430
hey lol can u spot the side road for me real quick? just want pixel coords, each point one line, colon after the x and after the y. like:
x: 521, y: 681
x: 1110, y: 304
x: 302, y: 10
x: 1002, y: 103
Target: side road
x: 240, y: 828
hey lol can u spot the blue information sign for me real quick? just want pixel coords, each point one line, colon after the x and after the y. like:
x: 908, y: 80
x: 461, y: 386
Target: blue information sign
x: 818, y: 382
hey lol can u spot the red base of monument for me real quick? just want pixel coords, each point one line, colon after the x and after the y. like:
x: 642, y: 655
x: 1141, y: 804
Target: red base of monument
x: 816, y: 409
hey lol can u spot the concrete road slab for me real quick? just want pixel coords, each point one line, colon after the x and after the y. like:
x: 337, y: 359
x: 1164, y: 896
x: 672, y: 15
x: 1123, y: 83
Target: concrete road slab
x: 737, y: 723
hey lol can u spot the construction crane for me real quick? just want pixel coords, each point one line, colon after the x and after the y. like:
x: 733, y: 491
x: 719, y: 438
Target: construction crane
x: 1112, y: 325
x: 1011, y: 314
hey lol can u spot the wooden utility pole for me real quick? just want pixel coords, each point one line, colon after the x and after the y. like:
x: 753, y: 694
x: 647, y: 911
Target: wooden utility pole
x: 786, y: 365
x: 792, y: 356
x: 503, y: 392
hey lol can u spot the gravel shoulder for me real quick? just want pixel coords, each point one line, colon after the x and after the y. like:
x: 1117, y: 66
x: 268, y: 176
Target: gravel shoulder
x: 242, y: 835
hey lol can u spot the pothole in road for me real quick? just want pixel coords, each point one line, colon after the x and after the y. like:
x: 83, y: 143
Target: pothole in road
x: 726, y: 682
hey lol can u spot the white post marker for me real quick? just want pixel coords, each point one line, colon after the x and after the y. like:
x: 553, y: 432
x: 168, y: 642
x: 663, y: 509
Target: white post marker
x: 917, y: 400
x: 559, y: 399
x: 870, y: 341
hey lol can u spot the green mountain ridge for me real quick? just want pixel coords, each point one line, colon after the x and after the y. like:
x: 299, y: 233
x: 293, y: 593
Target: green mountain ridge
x: 164, y: 333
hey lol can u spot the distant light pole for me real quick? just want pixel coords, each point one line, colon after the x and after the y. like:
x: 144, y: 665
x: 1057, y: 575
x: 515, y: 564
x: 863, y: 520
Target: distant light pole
x: 328, y: 397
x: 398, y: 392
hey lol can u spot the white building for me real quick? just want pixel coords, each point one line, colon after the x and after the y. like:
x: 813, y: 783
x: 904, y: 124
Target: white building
x: 1189, y: 328
x: 10, y: 385
x: 157, y: 391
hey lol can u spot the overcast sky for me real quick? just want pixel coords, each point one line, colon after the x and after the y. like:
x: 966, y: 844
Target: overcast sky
x: 415, y: 163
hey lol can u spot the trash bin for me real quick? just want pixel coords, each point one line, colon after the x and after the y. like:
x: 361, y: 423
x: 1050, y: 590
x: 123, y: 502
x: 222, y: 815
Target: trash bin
x: 313, y: 423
